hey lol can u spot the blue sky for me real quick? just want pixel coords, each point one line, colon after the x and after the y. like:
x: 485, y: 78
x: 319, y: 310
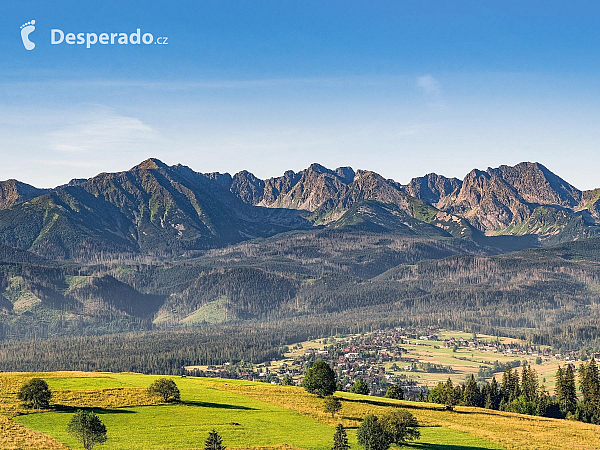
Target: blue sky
x: 402, y: 88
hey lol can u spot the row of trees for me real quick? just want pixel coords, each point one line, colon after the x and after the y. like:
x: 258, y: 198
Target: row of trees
x: 522, y: 394
x: 587, y: 409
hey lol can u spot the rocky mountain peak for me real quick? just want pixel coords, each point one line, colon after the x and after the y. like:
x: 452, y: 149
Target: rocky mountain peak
x: 536, y: 184
x: 151, y: 164
x: 318, y: 169
x: 248, y: 187
x: 432, y: 187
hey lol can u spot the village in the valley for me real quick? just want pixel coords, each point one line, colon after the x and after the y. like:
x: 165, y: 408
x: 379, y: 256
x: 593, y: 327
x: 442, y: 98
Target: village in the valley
x: 414, y: 358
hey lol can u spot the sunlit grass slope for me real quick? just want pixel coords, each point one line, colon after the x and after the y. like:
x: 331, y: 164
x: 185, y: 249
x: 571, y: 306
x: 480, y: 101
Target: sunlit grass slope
x: 251, y: 415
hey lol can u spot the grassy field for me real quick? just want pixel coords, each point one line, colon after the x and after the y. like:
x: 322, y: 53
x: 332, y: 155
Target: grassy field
x: 495, y: 429
x: 251, y: 415
x: 466, y: 361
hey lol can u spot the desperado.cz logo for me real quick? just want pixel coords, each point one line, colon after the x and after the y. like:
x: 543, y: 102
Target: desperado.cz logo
x: 26, y: 30
x: 58, y: 36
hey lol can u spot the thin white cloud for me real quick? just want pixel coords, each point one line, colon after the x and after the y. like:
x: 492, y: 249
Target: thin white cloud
x: 429, y: 85
x: 101, y: 133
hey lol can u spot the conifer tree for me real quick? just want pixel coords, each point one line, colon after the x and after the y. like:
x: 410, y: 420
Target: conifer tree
x: 340, y: 439
x: 560, y: 377
x: 588, y: 410
x: 471, y: 394
x: 529, y: 383
x: 506, y: 388
x: 542, y: 402
x: 214, y: 442
x: 494, y: 390
x: 514, y: 385
x: 488, y: 401
x: 590, y: 381
x: 566, y: 392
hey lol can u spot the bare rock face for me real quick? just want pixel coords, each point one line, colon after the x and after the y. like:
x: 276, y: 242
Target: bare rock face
x: 248, y: 187
x: 13, y: 192
x: 306, y: 190
x: 276, y: 188
x: 486, y: 201
x: 507, y: 196
x: 535, y: 184
x: 326, y: 193
x: 432, y: 187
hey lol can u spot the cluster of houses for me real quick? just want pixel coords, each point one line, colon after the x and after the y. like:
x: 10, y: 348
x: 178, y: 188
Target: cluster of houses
x: 355, y: 357
x: 366, y: 356
x: 511, y: 348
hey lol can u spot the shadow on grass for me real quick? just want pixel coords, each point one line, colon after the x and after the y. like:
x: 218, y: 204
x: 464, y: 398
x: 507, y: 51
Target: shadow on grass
x: 216, y: 405
x: 394, y: 405
x: 74, y: 409
x: 426, y: 446
x: 359, y: 419
x: 479, y: 411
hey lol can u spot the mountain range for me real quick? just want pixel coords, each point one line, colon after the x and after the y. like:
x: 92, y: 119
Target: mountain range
x: 154, y: 208
x: 506, y: 250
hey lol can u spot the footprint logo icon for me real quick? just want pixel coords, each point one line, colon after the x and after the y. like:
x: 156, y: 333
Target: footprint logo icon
x: 26, y: 30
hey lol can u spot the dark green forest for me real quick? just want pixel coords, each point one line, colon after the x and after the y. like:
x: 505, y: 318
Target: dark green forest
x: 247, y: 301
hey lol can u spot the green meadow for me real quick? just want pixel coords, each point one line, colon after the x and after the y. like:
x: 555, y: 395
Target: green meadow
x: 246, y: 415
x: 184, y: 425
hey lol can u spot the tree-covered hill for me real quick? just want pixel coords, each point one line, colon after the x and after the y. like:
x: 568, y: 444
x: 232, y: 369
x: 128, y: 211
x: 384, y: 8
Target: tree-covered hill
x: 313, y: 277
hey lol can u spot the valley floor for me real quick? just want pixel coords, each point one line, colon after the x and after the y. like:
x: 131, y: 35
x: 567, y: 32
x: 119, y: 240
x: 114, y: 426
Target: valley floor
x: 253, y: 415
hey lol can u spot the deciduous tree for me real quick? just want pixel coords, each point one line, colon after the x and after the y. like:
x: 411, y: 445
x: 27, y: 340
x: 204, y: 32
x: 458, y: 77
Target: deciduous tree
x: 395, y: 392
x: 360, y: 387
x: 320, y: 379
x: 35, y: 394
x: 166, y: 389
x: 332, y: 405
x: 371, y: 436
x: 87, y: 428
x: 400, y: 426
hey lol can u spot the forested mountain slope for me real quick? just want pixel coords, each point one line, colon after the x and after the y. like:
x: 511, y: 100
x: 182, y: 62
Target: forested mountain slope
x: 165, y: 247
